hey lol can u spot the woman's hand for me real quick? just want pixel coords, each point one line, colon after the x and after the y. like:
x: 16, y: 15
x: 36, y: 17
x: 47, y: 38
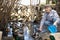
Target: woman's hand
x: 40, y: 29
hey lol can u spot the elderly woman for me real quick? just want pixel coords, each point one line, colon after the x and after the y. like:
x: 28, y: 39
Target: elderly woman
x: 50, y: 17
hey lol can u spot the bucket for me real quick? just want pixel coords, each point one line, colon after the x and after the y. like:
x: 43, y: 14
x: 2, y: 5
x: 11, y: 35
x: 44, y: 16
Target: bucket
x: 52, y: 28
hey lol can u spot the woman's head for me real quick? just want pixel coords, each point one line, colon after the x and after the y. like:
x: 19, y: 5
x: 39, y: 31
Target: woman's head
x: 48, y: 8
